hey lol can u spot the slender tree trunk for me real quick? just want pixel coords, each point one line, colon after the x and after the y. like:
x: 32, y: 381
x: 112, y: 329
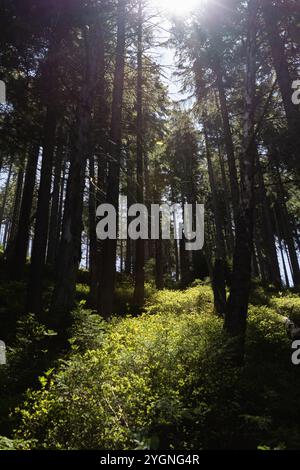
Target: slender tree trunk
x: 17, y: 258
x: 233, y: 178
x: 139, y: 288
x: 16, y: 208
x: 218, y: 280
x: 54, y: 222
x: 177, y: 267
x: 287, y: 231
x: 108, y: 265
x: 255, y: 262
x: 60, y: 207
x: 230, y: 239
x: 281, y: 248
x: 130, y: 200
x: 98, y: 184
x: 271, y: 251
x: 5, y: 194
x: 93, y: 237
x: 159, y: 264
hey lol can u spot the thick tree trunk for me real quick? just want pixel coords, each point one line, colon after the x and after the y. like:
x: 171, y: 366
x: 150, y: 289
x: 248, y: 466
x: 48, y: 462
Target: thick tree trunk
x: 271, y: 17
x: 63, y: 298
x: 237, y: 305
x: 38, y: 255
x: 39, y: 246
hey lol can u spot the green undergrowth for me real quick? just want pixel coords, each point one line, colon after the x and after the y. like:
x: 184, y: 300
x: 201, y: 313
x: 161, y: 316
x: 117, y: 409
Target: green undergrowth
x: 162, y: 380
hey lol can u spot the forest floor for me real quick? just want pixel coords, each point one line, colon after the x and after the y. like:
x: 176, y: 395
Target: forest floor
x: 156, y: 380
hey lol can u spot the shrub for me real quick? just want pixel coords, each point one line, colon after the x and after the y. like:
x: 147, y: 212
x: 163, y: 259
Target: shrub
x: 162, y: 380
x: 87, y: 331
x: 13, y: 444
x: 174, y: 301
x: 288, y: 306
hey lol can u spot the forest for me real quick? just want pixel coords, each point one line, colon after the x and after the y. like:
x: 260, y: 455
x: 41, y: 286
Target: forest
x: 184, y: 332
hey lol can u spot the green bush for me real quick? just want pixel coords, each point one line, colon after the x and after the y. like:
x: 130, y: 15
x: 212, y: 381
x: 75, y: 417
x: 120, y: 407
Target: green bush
x: 162, y: 380
x: 193, y: 299
x: 87, y: 331
x: 13, y: 444
x: 288, y: 306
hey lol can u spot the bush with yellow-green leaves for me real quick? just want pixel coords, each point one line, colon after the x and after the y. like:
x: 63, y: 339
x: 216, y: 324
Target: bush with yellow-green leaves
x: 162, y: 380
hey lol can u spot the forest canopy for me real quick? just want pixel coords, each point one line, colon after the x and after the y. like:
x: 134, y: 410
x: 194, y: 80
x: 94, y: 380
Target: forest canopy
x: 156, y: 328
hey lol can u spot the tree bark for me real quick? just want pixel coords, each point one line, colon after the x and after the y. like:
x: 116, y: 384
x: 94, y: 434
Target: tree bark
x: 108, y: 265
x: 233, y: 178
x: 218, y: 280
x: 16, y: 208
x: 54, y: 222
x: 271, y: 251
x: 17, y: 258
x: 63, y: 299
x: 237, y: 304
x: 139, y: 288
x: 5, y: 194
x: 271, y: 16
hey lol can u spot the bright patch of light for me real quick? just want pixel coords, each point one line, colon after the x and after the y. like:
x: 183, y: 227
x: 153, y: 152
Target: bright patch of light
x: 176, y: 7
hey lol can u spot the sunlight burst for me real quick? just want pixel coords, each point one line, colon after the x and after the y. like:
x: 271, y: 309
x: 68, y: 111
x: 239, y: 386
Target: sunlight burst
x: 176, y: 7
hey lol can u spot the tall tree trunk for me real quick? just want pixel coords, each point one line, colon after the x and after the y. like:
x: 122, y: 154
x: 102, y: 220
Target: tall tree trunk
x: 16, y: 207
x: 287, y: 230
x: 237, y: 304
x: 271, y: 16
x: 271, y: 251
x: 5, y: 194
x: 17, y: 258
x: 139, y: 288
x: 54, y: 222
x: 38, y: 255
x: 281, y: 249
x: 98, y: 184
x: 218, y: 280
x: 93, y: 237
x: 130, y: 200
x: 159, y: 264
x: 63, y: 298
x: 62, y: 191
x: 233, y: 178
x: 39, y: 246
x: 230, y: 238
x: 108, y: 265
